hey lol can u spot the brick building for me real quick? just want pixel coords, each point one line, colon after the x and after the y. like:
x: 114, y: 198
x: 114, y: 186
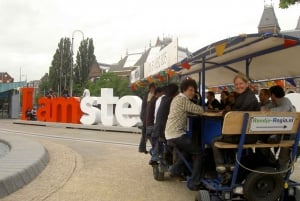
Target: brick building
x: 5, y: 78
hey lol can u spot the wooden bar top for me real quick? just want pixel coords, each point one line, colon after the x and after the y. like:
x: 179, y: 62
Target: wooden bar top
x: 212, y: 114
x: 208, y: 114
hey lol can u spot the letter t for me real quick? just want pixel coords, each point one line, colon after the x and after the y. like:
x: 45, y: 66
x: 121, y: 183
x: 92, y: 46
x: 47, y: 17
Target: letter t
x: 107, y: 100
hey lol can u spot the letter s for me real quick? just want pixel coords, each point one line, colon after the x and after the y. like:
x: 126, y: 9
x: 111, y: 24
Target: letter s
x: 91, y: 114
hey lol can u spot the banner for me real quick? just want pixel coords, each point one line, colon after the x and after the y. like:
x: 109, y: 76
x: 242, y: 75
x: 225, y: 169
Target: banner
x: 164, y: 59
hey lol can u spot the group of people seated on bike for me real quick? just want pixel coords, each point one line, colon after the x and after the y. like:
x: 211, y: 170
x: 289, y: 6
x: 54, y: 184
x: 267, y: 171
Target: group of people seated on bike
x: 165, y: 112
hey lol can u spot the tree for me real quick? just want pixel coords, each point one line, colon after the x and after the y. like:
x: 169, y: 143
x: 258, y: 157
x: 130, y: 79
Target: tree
x: 110, y: 80
x: 60, y: 69
x: 287, y: 3
x: 43, y: 88
x: 84, y: 60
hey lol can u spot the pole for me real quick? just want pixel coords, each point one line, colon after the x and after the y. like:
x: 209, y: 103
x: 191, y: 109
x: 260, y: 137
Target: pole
x: 71, y: 72
x: 60, y: 71
x: 72, y: 53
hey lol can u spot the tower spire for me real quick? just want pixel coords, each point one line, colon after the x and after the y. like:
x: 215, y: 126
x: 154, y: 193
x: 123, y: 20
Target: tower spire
x: 268, y: 21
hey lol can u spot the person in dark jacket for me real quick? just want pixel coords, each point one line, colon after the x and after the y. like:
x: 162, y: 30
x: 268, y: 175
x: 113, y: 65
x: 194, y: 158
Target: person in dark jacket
x: 224, y: 100
x: 150, y: 115
x: 245, y: 101
x: 161, y: 120
x: 147, y: 97
x: 212, y: 103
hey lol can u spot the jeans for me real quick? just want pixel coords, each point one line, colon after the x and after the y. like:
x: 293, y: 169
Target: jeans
x: 149, y: 132
x: 146, y: 135
x: 186, y: 146
x: 157, y: 148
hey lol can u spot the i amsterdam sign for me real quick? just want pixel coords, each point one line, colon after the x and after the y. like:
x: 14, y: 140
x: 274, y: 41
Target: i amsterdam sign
x: 86, y: 111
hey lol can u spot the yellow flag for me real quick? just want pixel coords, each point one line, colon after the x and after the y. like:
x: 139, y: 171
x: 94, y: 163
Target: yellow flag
x: 220, y: 49
x: 270, y: 83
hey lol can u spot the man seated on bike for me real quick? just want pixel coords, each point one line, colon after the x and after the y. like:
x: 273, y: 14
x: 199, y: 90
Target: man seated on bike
x: 280, y: 104
x: 175, y: 132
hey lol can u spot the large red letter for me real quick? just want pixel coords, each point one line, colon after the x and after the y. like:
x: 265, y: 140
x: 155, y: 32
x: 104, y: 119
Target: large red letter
x: 66, y: 110
x: 44, y: 111
x: 27, y: 99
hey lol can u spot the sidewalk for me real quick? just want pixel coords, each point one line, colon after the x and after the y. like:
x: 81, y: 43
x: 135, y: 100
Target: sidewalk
x: 62, y: 165
x: 22, y: 160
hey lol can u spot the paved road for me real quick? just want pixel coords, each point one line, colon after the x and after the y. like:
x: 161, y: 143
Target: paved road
x: 94, y: 166
x: 103, y: 167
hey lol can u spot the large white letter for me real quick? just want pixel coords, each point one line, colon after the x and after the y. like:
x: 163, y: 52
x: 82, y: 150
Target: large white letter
x: 91, y: 114
x: 128, y: 116
x: 107, y: 101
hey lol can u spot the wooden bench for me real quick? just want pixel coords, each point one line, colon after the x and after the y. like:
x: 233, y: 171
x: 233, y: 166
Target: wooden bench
x: 262, y: 123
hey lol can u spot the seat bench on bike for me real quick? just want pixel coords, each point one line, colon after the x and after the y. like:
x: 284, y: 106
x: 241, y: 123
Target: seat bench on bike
x: 260, y: 123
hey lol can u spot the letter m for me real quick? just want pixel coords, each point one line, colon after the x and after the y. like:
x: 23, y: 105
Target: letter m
x: 66, y: 110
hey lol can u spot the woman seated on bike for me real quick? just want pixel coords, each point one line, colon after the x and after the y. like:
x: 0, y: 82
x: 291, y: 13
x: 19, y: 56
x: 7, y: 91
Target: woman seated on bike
x: 244, y: 101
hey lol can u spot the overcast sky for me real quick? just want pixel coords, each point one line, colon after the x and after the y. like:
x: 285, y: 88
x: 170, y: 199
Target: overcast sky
x: 31, y: 29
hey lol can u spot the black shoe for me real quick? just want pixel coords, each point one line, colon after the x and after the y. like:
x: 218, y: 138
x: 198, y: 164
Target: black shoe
x: 152, y: 162
x: 145, y: 152
x: 194, y: 187
x: 226, y: 178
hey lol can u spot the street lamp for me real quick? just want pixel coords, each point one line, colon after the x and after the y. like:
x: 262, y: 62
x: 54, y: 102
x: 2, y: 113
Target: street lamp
x: 71, y: 74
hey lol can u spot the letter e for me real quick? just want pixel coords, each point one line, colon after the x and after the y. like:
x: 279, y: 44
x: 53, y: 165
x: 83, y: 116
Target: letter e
x: 128, y: 116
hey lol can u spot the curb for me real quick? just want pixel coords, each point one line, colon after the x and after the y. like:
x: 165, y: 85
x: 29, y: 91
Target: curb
x: 80, y: 126
x: 25, y: 160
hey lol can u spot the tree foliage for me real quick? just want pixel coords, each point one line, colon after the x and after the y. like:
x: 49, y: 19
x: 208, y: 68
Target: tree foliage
x: 84, y: 60
x: 43, y: 88
x: 287, y: 3
x: 110, y: 80
x: 60, y: 69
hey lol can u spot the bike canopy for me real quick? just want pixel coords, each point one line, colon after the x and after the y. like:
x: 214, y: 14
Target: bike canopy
x: 259, y: 56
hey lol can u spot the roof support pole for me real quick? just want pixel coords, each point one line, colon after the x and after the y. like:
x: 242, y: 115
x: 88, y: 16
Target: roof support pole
x: 248, y: 62
x: 202, y: 82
